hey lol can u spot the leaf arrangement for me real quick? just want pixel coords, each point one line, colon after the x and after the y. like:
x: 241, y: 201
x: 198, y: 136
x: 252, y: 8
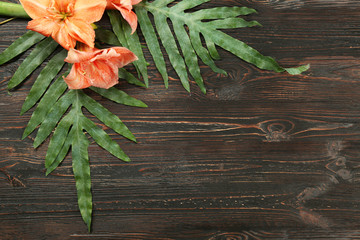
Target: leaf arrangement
x: 189, y: 27
x: 59, y: 110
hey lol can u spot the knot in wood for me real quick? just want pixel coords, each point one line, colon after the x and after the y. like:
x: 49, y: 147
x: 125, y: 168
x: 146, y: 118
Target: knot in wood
x: 230, y: 236
x: 277, y: 130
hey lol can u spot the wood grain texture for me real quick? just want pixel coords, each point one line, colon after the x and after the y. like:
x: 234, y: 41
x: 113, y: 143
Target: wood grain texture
x: 260, y: 156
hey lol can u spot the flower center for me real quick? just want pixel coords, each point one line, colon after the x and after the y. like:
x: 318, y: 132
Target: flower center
x: 60, y: 12
x: 65, y: 15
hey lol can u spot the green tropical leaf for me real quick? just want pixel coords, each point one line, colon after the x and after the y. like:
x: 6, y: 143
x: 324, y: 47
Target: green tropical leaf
x: 61, y: 154
x: 69, y: 132
x: 20, y: 45
x: 53, y: 117
x: 211, y: 47
x: 231, y: 23
x: 81, y: 169
x: 219, y: 12
x: 205, y: 55
x: 130, y: 78
x: 104, y: 140
x: 106, y: 36
x: 43, y: 80
x: 169, y: 44
x: 185, y: 47
x: 298, y: 70
x: 119, y: 96
x: 131, y: 41
x: 58, y: 139
x: 152, y: 43
x: 35, y: 59
x: 186, y: 36
x: 48, y: 100
x: 189, y: 54
x: 107, y: 117
x: 134, y: 45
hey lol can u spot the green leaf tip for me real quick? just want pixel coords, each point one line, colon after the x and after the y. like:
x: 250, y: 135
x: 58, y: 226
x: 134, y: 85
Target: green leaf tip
x: 81, y: 170
x: 119, y: 96
x: 130, y: 78
x: 297, y: 70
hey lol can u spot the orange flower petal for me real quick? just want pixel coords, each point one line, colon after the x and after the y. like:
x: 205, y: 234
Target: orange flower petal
x: 63, y: 37
x: 76, y: 78
x: 125, y: 7
x: 126, y: 56
x: 35, y: 8
x: 64, y: 5
x: 134, y: 2
x: 89, y: 10
x: 110, y: 5
x: 96, y: 67
x: 43, y: 26
x: 76, y: 56
x: 102, y: 74
x: 67, y: 21
x: 125, y: 4
x: 80, y: 31
x: 130, y: 17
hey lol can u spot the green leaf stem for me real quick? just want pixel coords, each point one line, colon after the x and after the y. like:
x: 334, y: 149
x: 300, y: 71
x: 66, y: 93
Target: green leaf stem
x: 12, y: 10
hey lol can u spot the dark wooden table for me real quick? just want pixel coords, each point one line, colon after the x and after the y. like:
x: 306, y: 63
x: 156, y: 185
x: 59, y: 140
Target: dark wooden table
x: 261, y: 156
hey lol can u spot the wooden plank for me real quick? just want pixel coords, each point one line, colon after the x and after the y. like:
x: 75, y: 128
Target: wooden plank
x: 261, y: 156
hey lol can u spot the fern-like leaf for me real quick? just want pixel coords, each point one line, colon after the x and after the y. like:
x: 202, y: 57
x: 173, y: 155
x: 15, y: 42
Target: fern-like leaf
x: 152, y: 43
x: 33, y: 61
x: 43, y: 80
x: 189, y: 27
x: 59, y: 112
x: 69, y: 131
x: 20, y: 45
x: 131, y: 41
x: 47, y: 101
x: 130, y: 78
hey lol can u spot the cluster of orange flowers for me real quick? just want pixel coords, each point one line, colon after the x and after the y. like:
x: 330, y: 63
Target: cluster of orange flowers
x: 69, y: 22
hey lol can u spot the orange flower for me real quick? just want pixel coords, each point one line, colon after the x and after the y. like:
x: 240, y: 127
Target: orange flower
x: 66, y: 21
x: 125, y: 8
x: 98, y: 68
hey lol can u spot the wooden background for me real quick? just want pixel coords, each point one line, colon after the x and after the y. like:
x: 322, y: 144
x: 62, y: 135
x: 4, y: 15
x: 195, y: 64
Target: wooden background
x: 261, y: 156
